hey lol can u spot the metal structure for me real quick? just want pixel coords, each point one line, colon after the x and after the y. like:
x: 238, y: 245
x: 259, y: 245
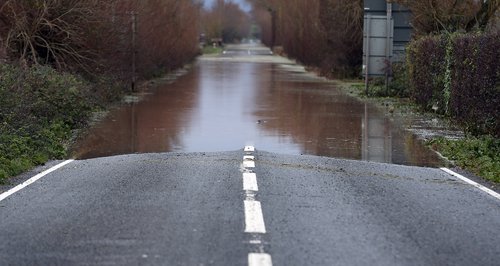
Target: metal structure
x: 386, y: 32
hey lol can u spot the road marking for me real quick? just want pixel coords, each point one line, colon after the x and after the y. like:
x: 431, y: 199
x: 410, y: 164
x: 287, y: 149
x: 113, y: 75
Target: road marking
x: 254, y: 220
x: 250, y: 182
x: 249, y: 164
x: 249, y: 158
x: 470, y: 182
x: 259, y: 259
x: 32, y: 180
x: 249, y: 148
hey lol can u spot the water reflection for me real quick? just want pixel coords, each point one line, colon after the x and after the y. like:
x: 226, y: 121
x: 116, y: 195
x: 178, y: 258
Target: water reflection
x: 222, y: 105
x: 155, y: 124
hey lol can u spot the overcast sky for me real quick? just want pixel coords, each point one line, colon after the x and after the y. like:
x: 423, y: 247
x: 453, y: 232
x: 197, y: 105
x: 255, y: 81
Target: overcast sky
x: 244, y: 5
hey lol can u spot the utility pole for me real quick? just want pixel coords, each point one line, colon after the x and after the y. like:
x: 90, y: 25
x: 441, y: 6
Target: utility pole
x: 368, y: 25
x: 272, y: 12
x: 134, y: 49
x: 273, y: 27
x: 388, y: 45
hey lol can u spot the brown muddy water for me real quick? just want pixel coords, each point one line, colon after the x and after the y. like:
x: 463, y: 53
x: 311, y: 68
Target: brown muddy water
x: 241, y: 98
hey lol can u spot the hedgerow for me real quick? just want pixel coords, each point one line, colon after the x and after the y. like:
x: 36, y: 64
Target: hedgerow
x: 39, y: 108
x: 458, y: 75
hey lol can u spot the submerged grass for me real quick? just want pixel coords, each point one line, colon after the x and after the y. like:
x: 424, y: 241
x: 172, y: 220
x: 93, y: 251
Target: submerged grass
x: 479, y: 155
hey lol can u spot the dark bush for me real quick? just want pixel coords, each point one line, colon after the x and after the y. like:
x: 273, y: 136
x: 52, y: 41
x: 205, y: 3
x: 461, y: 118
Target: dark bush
x: 399, y: 86
x: 475, y: 97
x: 426, y: 68
x: 39, y: 108
x: 458, y: 76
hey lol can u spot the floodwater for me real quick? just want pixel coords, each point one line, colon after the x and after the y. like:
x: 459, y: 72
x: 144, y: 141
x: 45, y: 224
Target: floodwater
x: 248, y: 97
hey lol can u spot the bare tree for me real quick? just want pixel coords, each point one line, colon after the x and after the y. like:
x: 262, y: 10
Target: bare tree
x: 436, y: 16
x: 321, y: 33
x: 50, y: 31
x: 96, y: 36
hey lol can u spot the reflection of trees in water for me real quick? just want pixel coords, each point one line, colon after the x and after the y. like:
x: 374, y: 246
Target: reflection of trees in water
x: 152, y: 125
x: 327, y: 123
x: 324, y: 124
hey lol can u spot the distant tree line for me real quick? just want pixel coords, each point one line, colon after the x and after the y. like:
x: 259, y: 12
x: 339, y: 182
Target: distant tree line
x: 322, y: 33
x: 328, y: 33
x: 226, y: 21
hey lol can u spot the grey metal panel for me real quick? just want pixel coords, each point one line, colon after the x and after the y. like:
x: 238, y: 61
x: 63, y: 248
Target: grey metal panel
x: 402, y: 27
x: 378, y: 27
x: 402, y: 19
x: 402, y: 35
x: 399, y: 48
x: 378, y: 42
x: 377, y: 65
x: 377, y: 47
x: 376, y: 5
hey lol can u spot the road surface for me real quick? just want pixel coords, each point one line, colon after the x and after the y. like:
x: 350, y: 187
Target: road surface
x: 217, y: 209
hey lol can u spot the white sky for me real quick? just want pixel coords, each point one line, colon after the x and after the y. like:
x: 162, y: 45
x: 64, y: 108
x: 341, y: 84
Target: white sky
x: 244, y: 5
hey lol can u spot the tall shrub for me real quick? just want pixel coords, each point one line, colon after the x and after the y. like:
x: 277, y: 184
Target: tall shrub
x: 459, y: 75
x: 426, y: 70
x: 475, y: 98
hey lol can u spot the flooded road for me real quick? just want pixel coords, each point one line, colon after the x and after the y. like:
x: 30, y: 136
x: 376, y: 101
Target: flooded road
x: 247, y: 96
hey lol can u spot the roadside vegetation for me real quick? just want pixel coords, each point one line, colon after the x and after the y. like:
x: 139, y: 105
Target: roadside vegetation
x: 208, y: 49
x: 62, y: 60
x: 451, y: 69
x: 481, y: 155
x: 40, y: 108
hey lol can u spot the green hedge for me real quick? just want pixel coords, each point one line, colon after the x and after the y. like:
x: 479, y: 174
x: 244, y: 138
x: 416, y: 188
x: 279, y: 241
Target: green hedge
x: 39, y: 107
x: 459, y: 75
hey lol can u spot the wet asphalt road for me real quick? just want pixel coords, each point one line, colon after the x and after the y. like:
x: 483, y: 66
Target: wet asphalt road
x: 187, y: 209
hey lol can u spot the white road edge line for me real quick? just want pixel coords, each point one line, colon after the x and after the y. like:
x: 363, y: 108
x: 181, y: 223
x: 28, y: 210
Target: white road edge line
x: 259, y: 259
x: 470, y: 182
x: 32, y: 180
x: 254, y: 220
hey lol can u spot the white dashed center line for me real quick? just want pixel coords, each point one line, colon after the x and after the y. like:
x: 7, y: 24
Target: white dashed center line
x: 259, y: 259
x: 254, y: 219
x: 250, y: 182
x: 248, y: 164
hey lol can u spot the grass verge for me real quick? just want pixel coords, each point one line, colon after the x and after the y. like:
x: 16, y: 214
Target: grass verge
x: 39, y: 110
x: 480, y: 155
x: 211, y: 50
